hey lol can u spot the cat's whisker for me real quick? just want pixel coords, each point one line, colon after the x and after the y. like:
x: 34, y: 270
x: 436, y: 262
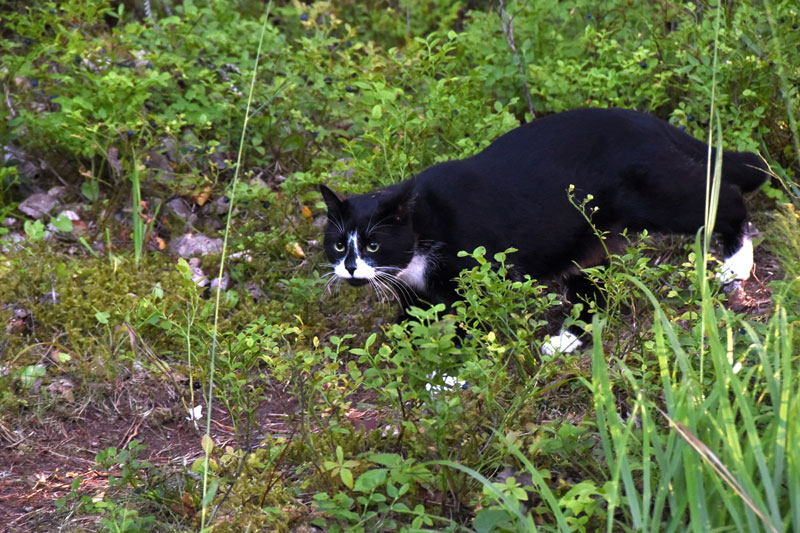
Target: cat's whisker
x: 380, y: 289
x: 331, y: 278
x: 376, y: 289
x: 409, y: 296
x: 399, y: 287
x: 387, y: 289
x: 337, y: 223
x: 372, y: 227
x: 331, y: 281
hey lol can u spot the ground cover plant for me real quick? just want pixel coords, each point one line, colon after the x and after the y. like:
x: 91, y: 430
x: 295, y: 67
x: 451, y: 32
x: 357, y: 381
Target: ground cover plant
x: 173, y: 356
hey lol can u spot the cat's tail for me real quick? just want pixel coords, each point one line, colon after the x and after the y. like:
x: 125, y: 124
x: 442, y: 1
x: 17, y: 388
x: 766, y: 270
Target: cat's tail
x: 748, y: 170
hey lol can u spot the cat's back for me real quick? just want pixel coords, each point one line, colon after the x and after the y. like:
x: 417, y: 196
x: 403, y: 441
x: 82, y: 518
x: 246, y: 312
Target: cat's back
x: 583, y: 147
x: 590, y: 137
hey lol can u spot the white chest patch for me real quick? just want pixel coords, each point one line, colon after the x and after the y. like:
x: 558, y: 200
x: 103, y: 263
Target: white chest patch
x: 414, y: 274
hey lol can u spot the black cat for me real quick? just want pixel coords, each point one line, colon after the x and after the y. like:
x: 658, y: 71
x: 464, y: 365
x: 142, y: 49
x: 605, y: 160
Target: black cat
x: 643, y: 174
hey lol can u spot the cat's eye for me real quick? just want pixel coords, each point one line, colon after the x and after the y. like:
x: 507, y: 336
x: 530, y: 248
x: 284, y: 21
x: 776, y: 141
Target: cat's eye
x: 339, y: 246
x: 373, y: 247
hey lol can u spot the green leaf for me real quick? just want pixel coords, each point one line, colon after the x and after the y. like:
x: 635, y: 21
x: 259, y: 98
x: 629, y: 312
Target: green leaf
x: 91, y: 190
x: 489, y: 519
x: 347, y: 477
x: 339, y: 454
x: 207, y: 443
x: 370, y: 480
x: 210, y: 493
x: 386, y: 459
x: 34, y: 230
x: 62, y: 223
x: 30, y: 374
x: 102, y: 317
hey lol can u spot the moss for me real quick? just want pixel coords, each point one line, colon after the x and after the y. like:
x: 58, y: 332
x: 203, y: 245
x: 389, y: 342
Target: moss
x: 258, y: 498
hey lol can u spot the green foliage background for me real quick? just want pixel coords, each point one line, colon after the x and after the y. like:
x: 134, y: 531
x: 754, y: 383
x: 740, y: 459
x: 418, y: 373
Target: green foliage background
x: 358, y: 94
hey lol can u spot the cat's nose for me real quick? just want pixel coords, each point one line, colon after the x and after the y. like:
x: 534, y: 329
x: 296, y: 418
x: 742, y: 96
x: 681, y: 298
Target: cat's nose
x: 350, y: 268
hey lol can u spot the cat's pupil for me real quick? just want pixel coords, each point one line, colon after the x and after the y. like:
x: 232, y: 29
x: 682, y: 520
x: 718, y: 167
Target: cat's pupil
x: 373, y: 247
x: 339, y: 246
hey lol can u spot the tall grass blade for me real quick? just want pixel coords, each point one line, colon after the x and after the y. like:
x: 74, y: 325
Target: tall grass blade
x: 212, y: 363
x: 608, y: 421
x: 136, y: 210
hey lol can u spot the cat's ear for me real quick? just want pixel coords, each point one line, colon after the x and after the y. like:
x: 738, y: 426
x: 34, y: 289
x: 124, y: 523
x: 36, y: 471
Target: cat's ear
x: 332, y: 200
x: 398, y: 203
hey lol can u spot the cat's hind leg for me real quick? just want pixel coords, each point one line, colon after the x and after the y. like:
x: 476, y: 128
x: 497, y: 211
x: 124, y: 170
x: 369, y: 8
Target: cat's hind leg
x: 736, y: 235
x: 564, y: 342
x: 738, y: 262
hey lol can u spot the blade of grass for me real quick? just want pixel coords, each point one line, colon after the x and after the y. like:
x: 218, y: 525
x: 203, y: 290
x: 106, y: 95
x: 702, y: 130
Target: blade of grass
x: 232, y: 195
x: 781, y: 437
x: 664, y: 452
x: 724, y: 423
x: 136, y: 209
x: 543, y: 489
x: 525, y: 522
x: 793, y: 461
x: 729, y: 382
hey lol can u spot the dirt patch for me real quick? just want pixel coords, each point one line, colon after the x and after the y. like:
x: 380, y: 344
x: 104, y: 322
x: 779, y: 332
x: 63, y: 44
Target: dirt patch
x: 41, y: 458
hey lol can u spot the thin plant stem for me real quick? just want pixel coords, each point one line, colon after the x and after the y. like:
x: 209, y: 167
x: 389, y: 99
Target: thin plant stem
x: 218, y: 295
x: 712, y: 184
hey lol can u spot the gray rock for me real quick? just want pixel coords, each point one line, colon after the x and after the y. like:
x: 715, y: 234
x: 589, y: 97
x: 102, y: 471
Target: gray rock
x: 39, y: 204
x: 255, y: 291
x: 198, y: 276
x: 182, y: 209
x: 226, y: 281
x: 191, y: 244
x: 12, y: 242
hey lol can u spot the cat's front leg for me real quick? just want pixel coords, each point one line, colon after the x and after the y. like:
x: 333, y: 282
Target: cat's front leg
x: 580, y: 290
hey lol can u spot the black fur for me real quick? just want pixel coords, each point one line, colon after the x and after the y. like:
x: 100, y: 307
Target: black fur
x: 642, y: 172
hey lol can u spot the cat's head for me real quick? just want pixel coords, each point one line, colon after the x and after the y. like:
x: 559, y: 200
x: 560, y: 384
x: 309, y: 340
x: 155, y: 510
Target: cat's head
x: 370, y: 236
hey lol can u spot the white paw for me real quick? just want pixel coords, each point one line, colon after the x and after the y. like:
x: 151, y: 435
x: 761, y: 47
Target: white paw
x: 564, y: 342
x: 450, y: 382
x: 739, y: 265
